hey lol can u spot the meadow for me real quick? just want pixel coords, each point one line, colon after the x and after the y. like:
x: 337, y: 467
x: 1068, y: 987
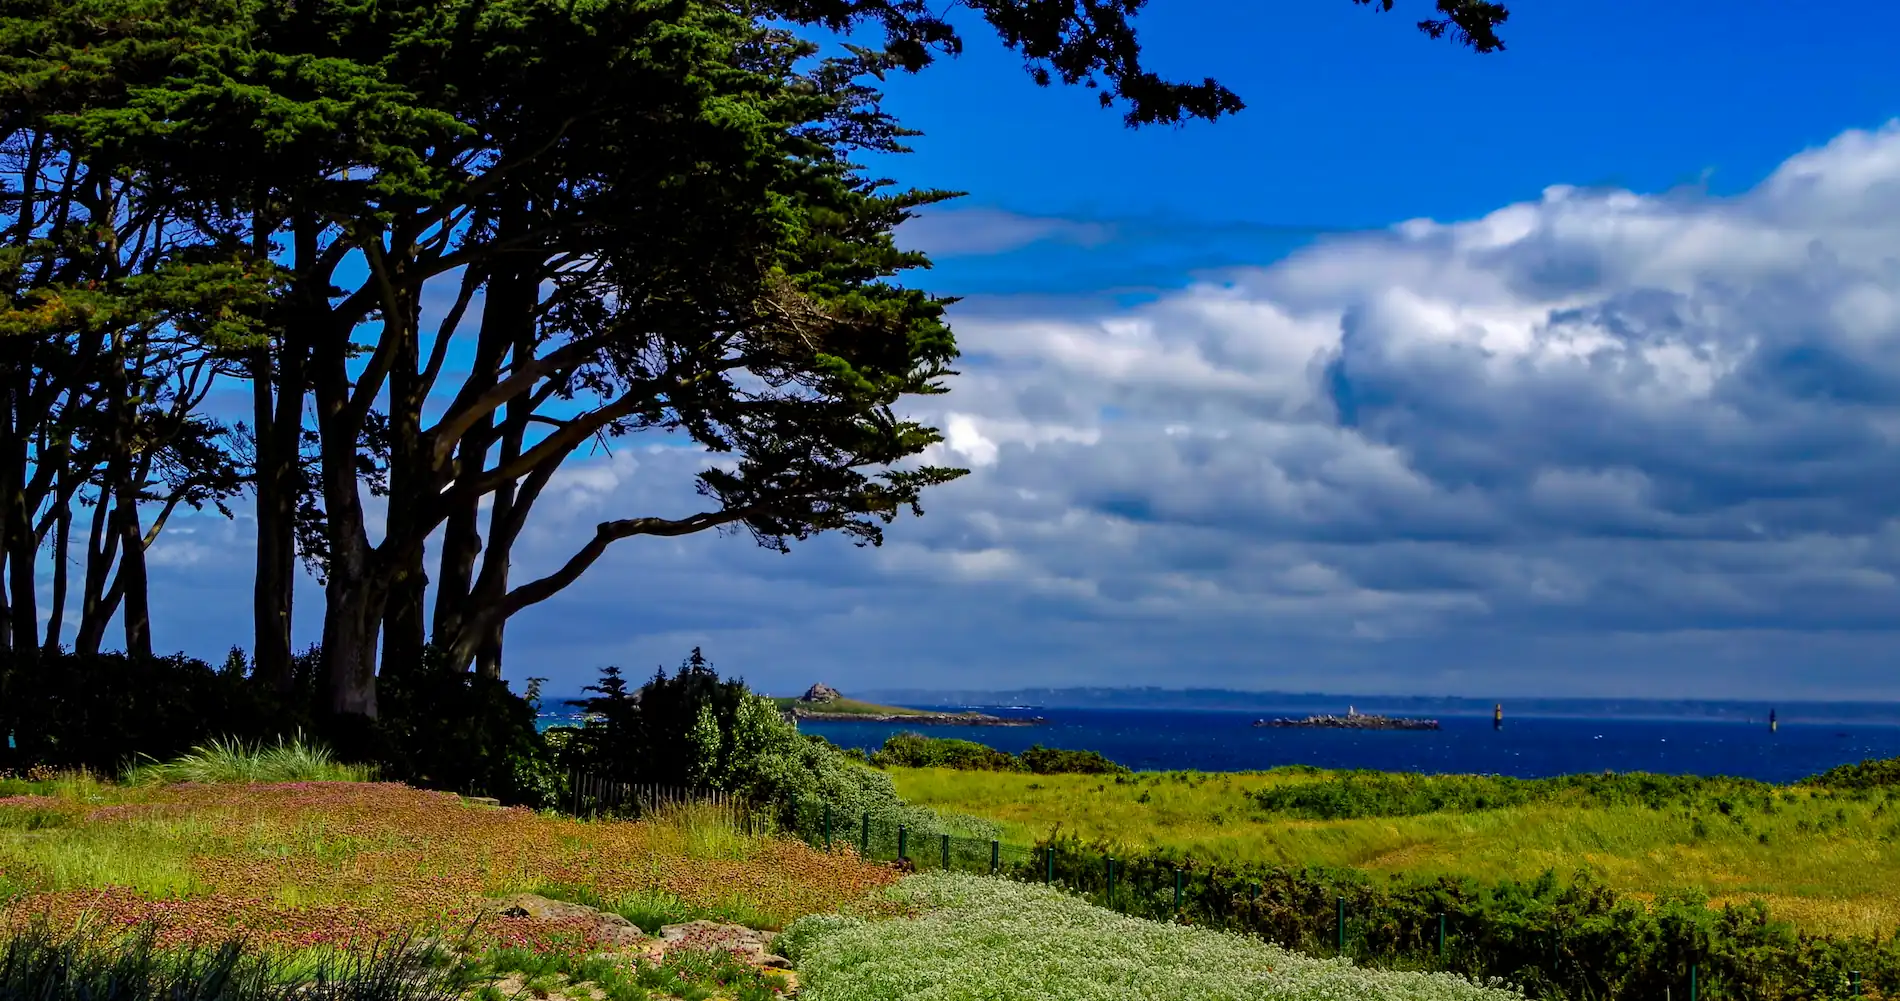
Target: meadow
x: 1823, y: 858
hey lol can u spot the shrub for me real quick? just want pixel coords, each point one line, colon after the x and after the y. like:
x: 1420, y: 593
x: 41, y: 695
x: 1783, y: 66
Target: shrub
x: 1872, y: 773
x: 1558, y: 939
x: 914, y: 750
x: 1343, y: 795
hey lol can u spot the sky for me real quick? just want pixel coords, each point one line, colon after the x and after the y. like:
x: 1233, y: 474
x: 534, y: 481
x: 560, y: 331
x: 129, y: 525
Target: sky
x: 1570, y: 370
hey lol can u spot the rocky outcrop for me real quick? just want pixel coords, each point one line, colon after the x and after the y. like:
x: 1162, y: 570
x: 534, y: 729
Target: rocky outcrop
x: 1355, y: 721
x: 821, y: 693
x: 611, y: 930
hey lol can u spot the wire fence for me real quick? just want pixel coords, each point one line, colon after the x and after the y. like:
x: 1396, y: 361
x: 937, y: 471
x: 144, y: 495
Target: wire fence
x: 1536, y: 949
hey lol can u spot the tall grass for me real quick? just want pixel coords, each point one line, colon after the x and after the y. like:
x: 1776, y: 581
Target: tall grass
x: 1816, y: 856
x: 88, y: 966
x: 228, y: 761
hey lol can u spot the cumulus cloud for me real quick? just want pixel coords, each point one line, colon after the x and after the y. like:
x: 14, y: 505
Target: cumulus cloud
x: 1597, y: 442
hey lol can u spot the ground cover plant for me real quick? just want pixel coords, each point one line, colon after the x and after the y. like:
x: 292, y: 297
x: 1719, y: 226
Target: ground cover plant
x: 302, y: 864
x: 976, y: 938
x: 1819, y: 856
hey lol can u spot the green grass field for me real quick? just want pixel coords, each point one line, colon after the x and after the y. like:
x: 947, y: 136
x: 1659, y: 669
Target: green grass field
x: 1823, y: 860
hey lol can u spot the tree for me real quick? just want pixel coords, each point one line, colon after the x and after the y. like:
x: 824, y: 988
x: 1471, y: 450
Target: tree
x: 644, y: 218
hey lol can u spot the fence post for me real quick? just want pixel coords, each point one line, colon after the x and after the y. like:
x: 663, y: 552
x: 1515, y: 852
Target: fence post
x: 1049, y: 874
x: 946, y: 853
x: 1441, y: 936
x: 864, y: 842
x: 1111, y: 881
x: 1853, y: 982
x: 827, y: 827
x: 1177, y: 892
x: 1340, y: 924
x: 995, y: 848
x: 1691, y: 982
x: 901, y: 834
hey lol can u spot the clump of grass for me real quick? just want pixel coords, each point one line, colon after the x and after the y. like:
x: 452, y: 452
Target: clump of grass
x: 85, y: 965
x: 234, y: 761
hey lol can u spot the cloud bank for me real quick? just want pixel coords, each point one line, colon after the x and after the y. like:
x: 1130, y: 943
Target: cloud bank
x: 1599, y: 443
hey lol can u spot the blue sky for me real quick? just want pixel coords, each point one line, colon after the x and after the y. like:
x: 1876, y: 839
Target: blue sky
x: 1342, y: 393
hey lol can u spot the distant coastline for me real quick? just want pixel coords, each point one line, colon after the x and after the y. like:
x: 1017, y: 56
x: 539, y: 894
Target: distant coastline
x: 1263, y: 703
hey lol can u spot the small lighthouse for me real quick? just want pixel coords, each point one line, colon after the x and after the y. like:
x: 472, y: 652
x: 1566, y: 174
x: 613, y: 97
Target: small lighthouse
x: 1772, y: 725
x: 1497, y: 716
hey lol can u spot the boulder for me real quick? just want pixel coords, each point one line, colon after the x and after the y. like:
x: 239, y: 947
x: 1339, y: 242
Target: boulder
x: 749, y: 945
x: 614, y: 931
x: 821, y: 693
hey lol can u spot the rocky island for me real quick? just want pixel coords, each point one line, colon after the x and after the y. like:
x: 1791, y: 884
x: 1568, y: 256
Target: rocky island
x: 823, y: 703
x: 1354, y: 720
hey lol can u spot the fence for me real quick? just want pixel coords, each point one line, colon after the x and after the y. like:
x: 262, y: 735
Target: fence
x: 594, y: 795
x: 1556, y: 943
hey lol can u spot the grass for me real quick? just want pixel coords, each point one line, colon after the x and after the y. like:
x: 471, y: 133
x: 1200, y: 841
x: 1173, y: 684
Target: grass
x: 977, y: 939
x: 323, y: 863
x: 1818, y: 857
x: 292, y: 760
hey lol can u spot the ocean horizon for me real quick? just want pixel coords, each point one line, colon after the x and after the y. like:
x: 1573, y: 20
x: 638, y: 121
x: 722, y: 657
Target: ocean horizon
x: 1530, y: 745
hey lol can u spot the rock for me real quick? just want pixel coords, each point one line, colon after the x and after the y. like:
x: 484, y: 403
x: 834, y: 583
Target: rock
x: 748, y: 944
x: 821, y: 693
x: 614, y: 931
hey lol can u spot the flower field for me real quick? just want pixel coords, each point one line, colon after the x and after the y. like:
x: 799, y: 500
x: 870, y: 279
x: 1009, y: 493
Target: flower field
x: 322, y: 864
x: 977, y: 939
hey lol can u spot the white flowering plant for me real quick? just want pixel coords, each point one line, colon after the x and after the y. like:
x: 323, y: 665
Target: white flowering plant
x: 971, y: 938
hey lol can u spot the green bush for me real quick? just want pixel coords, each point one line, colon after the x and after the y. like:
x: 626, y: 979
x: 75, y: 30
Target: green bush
x: 1558, y: 939
x: 694, y: 730
x: 914, y: 750
x: 1346, y: 795
x: 1873, y: 773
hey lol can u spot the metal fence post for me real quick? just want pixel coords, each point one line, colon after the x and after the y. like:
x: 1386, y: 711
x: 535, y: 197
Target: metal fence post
x: 1691, y: 982
x: 1111, y: 881
x: 1177, y: 892
x: 864, y: 840
x: 1853, y: 982
x: 901, y: 834
x: 995, y: 849
x: 946, y: 853
x: 1049, y: 874
x: 1341, y: 926
x: 1441, y: 936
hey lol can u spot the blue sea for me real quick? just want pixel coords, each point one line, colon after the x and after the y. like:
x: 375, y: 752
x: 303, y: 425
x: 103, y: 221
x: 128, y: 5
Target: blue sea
x: 1527, y: 746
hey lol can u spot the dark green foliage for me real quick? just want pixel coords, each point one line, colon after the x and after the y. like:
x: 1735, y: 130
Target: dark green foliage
x: 441, y: 729
x: 1057, y: 761
x: 102, y: 711
x: 38, y: 965
x: 914, y: 750
x: 1873, y: 773
x: 1560, y: 939
x: 447, y: 729
x: 653, y: 735
x: 1348, y: 794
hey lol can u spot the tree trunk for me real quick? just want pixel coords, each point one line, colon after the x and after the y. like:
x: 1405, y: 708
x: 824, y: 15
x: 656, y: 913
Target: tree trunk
x: 132, y: 582
x: 62, y: 539
x: 279, y: 431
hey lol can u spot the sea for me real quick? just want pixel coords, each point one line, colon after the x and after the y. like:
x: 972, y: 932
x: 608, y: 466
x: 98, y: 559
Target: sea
x: 1527, y: 746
